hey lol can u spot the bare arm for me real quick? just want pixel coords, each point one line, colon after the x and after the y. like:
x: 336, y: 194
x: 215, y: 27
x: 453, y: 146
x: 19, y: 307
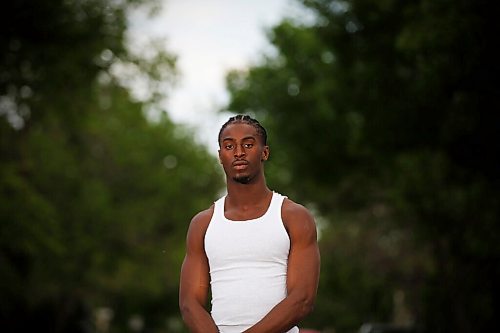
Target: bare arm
x: 302, y: 274
x: 195, y: 280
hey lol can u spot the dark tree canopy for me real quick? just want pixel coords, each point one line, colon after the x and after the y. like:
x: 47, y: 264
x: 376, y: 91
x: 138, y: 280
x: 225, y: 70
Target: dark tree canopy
x: 383, y: 115
x: 95, y: 197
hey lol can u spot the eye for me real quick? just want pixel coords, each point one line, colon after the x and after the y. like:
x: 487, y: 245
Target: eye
x: 228, y: 146
x: 248, y: 145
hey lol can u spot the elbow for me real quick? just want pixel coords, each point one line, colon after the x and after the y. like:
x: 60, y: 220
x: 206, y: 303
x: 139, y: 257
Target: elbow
x: 305, y: 306
x: 190, y: 310
x: 185, y: 309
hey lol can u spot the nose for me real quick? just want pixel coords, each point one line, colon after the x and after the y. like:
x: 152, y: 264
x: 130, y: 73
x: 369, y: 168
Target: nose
x: 239, y: 151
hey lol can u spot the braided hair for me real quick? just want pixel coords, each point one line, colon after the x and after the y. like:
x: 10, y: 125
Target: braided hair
x: 245, y: 119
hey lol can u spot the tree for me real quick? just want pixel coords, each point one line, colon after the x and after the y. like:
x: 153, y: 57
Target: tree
x: 379, y: 113
x: 95, y: 197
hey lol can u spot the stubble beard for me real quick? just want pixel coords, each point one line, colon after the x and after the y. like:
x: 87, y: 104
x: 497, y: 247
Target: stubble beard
x: 242, y: 179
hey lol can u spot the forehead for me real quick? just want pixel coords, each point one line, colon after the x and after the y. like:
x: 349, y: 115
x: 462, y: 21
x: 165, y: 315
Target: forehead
x: 240, y: 131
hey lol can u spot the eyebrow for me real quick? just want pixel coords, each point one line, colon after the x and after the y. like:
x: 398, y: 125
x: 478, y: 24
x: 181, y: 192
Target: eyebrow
x: 245, y: 138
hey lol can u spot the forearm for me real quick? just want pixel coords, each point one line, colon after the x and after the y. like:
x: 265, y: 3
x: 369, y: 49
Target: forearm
x: 285, y: 315
x: 197, y: 319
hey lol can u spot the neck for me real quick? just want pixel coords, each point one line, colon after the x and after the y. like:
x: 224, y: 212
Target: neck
x: 244, y: 194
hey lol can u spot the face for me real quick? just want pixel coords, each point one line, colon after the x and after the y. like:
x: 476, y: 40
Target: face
x: 242, y: 152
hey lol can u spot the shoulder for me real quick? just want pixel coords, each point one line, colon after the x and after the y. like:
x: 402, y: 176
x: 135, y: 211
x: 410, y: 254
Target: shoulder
x: 292, y: 211
x: 297, y: 218
x: 199, y: 223
x: 203, y: 217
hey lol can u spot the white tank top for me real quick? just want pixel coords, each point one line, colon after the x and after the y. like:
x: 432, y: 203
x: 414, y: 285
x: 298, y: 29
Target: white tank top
x: 248, y: 264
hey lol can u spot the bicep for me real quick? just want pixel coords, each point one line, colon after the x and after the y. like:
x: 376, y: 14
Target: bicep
x: 195, y: 280
x: 304, y: 257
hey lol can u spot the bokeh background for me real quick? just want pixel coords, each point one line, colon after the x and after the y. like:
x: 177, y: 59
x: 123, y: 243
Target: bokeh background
x: 383, y: 119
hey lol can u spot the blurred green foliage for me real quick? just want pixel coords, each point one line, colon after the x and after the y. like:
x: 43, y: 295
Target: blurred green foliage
x: 383, y: 118
x: 95, y: 197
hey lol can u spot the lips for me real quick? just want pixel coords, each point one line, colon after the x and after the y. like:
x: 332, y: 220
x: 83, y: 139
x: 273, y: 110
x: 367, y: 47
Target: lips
x: 240, y: 164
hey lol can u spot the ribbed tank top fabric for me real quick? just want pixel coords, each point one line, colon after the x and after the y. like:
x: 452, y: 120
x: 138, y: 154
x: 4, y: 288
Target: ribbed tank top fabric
x: 248, y: 263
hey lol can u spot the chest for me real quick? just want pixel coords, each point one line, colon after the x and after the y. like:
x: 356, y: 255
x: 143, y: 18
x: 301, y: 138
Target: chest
x: 254, y: 241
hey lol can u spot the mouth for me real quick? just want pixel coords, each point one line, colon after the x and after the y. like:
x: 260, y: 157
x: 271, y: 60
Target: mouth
x: 240, y: 164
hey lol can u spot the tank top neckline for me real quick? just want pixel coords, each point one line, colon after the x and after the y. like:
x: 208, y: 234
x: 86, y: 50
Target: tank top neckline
x: 225, y: 219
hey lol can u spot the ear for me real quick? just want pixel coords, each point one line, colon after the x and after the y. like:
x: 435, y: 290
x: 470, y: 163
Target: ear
x: 265, y: 154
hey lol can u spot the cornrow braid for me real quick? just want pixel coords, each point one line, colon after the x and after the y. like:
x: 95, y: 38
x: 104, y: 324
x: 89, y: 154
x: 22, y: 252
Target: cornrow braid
x: 245, y: 119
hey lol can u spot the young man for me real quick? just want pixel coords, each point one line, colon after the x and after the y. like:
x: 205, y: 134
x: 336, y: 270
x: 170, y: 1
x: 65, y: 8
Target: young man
x: 255, y: 250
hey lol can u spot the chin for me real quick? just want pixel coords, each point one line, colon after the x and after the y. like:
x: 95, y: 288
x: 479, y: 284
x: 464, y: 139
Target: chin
x: 242, y: 179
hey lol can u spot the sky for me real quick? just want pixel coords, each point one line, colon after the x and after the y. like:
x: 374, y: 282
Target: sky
x: 209, y: 37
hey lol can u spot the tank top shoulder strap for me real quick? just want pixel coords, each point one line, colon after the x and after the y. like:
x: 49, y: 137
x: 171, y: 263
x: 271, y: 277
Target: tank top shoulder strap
x: 219, y: 209
x: 276, y: 204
